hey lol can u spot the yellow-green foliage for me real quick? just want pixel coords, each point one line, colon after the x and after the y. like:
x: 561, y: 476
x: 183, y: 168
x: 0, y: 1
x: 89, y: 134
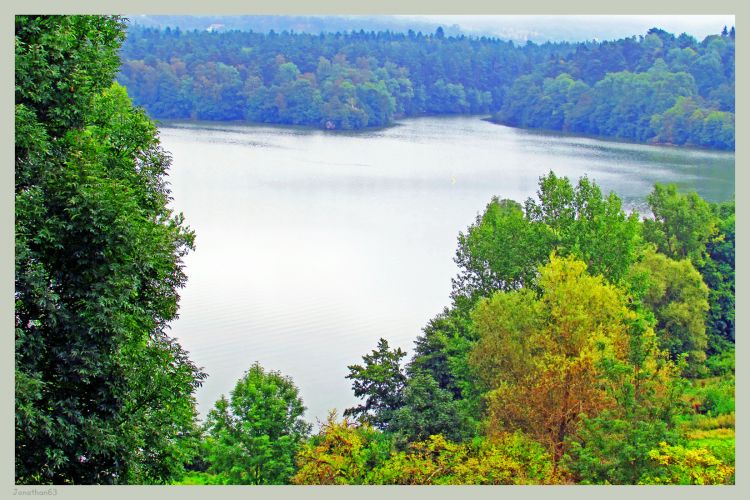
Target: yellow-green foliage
x: 511, y: 459
x: 705, y: 422
x: 720, y: 442
x: 542, y: 359
x: 342, y: 453
x: 680, y: 465
x: 678, y: 298
x: 720, y: 433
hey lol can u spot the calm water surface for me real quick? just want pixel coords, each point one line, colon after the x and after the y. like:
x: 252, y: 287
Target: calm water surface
x: 311, y: 245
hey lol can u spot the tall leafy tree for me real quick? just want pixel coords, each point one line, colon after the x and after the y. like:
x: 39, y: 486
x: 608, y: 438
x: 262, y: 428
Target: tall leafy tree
x: 103, y: 394
x: 500, y: 251
x: 678, y: 298
x: 586, y: 224
x: 682, y: 224
x: 685, y: 226
x: 541, y: 359
x: 254, y: 435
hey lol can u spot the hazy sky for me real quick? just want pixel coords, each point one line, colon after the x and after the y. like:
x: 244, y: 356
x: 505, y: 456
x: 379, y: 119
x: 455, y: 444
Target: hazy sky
x: 583, y: 27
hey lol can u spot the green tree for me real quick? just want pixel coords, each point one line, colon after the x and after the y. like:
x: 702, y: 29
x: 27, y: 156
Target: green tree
x: 500, y: 251
x: 678, y: 298
x: 103, y: 394
x: 381, y: 383
x: 718, y: 274
x: 442, y: 353
x: 254, y: 436
x: 507, y: 243
x: 587, y: 225
x: 428, y: 410
x: 682, y: 224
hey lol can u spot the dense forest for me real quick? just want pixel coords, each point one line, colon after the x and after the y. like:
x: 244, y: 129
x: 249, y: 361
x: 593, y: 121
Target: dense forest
x: 582, y: 344
x: 657, y: 88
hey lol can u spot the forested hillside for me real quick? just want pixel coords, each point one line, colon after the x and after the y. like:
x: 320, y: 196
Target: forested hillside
x: 653, y: 88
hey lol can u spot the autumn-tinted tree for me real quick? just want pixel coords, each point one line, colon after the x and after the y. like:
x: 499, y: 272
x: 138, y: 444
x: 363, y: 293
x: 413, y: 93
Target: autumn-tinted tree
x: 254, y: 436
x: 612, y: 447
x: 103, y: 394
x: 540, y: 358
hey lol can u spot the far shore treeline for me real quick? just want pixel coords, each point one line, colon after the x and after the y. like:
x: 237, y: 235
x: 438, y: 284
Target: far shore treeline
x: 582, y: 344
x: 656, y: 87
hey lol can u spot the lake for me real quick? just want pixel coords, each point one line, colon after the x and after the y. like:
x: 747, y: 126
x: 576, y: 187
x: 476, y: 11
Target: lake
x: 312, y: 245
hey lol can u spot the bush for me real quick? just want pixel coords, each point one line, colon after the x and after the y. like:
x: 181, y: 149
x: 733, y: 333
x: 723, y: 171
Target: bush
x: 200, y: 479
x: 721, y: 364
x: 680, y: 465
x: 510, y: 459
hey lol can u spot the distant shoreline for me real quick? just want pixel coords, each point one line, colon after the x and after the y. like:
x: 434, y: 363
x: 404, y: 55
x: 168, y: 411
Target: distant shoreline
x: 176, y: 123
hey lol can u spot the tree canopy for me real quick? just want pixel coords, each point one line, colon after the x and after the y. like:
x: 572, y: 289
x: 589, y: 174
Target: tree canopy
x: 103, y: 393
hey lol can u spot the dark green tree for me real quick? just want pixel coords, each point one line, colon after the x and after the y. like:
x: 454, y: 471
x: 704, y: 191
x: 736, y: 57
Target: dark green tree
x: 103, y: 394
x: 428, y: 410
x: 381, y: 383
x: 254, y: 436
x: 718, y: 274
x: 443, y: 344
